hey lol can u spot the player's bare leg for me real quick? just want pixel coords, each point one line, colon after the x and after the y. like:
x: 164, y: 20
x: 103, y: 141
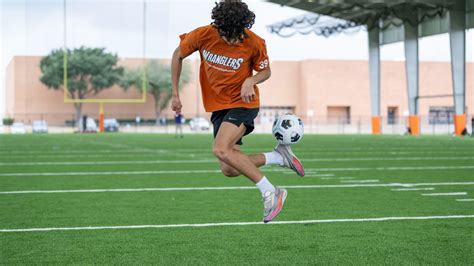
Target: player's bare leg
x: 257, y: 159
x: 281, y: 155
x: 273, y: 197
x: 224, y: 150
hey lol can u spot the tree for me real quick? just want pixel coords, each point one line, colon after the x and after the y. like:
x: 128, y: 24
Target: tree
x: 159, y: 82
x: 89, y: 71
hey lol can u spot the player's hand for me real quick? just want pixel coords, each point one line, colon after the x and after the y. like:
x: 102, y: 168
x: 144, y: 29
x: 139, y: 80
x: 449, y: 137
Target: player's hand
x: 247, y: 92
x: 176, y: 105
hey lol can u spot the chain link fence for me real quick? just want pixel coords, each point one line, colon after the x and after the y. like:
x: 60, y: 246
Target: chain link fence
x: 165, y: 124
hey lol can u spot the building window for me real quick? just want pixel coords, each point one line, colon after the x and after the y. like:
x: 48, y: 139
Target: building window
x: 268, y: 114
x: 441, y: 115
x: 392, y: 115
x: 339, y: 114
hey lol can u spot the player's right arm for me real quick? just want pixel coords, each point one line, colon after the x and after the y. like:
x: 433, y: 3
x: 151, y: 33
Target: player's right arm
x: 190, y: 42
x: 176, y: 66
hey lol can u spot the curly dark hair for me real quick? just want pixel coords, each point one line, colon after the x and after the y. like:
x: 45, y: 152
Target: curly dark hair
x: 231, y: 17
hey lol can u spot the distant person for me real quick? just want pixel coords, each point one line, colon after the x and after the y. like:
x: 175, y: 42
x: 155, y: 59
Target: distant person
x: 138, y: 119
x: 163, y: 121
x: 472, y: 127
x: 84, y: 123
x: 179, y: 120
x: 230, y: 52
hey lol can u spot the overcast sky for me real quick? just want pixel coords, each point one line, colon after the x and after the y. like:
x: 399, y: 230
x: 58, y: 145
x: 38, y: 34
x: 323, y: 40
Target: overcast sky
x: 35, y: 27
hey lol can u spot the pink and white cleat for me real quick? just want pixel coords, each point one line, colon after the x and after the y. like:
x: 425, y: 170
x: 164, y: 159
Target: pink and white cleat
x: 289, y: 159
x: 273, y: 203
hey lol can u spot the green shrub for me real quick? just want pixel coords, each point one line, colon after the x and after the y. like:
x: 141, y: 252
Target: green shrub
x: 8, y: 121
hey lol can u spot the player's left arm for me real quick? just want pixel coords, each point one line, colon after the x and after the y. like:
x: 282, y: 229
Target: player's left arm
x: 261, y: 64
x: 248, y: 87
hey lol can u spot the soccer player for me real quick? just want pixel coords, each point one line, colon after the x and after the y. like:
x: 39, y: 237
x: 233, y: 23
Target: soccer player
x: 229, y: 53
x: 178, y: 121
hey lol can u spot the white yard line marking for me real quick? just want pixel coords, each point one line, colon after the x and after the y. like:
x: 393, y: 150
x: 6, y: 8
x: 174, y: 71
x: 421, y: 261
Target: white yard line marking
x: 360, y: 181
x: 156, y: 226
x: 401, y: 168
x: 217, y: 171
x: 214, y: 160
x: 123, y: 190
x: 412, y: 189
x: 324, y: 178
x: 445, y: 194
x: 111, y: 155
x: 345, y: 177
x: 79, y: 156
x: 424, y: 167
x: 115, y: 173
x: 230, y: 188
x: 111, y: 162
x: 129, y: 148
x: 204, y: 154
x: 386, y: 159
x: 94, y: 151
x: 464, y: 199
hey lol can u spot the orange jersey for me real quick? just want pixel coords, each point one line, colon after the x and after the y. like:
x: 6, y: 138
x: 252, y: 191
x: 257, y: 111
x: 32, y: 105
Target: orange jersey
x: 225, y: 67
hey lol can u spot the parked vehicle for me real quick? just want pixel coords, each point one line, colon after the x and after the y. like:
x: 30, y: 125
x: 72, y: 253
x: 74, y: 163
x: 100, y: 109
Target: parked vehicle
x: 199, y: 123
x: 40, y: 126
x: 111, y: 125
x: 18, y: 128
x: 91, y: 125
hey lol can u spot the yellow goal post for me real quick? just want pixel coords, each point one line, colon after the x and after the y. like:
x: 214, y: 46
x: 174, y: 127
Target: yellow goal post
x: 104, y: 101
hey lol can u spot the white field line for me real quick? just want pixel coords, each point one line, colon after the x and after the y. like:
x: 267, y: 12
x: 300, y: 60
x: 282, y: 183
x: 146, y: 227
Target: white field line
x: 91, y: 151
x: 321, y: 176
x: 76, y: 151
x: 464, y: 199
x: 127, y: 150
x: 130, y: 148
x: 445, y: 194
x: 412, y: 189
x: 386, y: 159
x: 185, y: 154
x: 176, y: 153
x: 111, y: 162
x: 360, y: 181
x: 114, y: 173
x: 215, y: 160
x: 231, y: 188
x: 217, y: 171
x: 345, y: 177
x: 157, y: 226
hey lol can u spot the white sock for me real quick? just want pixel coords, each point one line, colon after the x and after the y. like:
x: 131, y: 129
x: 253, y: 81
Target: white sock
x: 265, y: 185
x: 273, y: 158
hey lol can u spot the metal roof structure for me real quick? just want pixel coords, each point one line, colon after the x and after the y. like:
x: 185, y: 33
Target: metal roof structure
x: 431, y: 16
x: 389, y: 21
x: 313, y: 23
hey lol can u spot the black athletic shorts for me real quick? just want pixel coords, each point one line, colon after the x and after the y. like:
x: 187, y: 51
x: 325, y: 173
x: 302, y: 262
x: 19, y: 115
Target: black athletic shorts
x: 236, y: 116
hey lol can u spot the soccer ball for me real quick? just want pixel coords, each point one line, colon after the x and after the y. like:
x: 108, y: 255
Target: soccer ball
x: 288, y: 129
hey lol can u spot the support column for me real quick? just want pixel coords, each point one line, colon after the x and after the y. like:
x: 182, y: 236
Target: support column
x: 457, y: 38
x: 374, y: 74
x: 101, y: 118
x: 411, y: 67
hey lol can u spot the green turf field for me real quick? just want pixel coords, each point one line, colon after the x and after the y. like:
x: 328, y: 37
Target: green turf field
x: 350, y: 202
